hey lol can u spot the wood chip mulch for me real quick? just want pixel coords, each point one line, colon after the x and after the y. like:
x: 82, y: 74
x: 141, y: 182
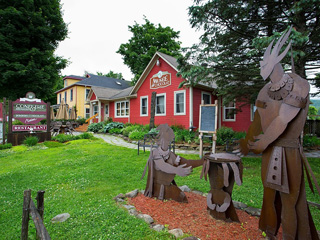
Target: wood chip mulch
x: 192, y: 218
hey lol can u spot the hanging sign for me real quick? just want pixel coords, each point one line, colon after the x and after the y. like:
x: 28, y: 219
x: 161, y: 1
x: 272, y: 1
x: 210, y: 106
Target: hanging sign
x: 29, y: 110
x: 160, y: 80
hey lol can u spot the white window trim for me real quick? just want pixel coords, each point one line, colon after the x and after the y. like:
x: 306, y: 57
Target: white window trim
x: 205, y: 93
x: 184, y: 100
x: 141, y: 114
x: 253, y: 108
x: 224, y: 113
x: 165, y: 104
x: 115, y: 109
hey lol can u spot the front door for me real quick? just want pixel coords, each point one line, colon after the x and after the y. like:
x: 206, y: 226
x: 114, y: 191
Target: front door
x: 106, y: 111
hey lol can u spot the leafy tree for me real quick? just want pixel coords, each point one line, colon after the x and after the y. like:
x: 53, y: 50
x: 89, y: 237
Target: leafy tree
x: 30, y: 31
x: 312, y: 112
x: 111, y: 74
x: 236, y: 34
x: 146, y: 40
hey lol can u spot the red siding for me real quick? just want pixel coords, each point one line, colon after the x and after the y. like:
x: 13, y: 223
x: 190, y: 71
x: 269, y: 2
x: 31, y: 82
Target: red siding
x: 145, y: 90
x: 243, y: 119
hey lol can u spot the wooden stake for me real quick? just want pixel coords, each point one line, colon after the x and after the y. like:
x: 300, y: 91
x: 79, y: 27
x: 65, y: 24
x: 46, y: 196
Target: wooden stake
x: 25, y: 214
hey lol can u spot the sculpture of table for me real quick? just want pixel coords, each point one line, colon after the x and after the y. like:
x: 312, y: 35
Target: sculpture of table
x: 223, y: 169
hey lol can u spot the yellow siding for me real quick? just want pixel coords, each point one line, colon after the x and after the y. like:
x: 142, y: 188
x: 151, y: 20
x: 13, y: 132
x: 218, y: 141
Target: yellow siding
x: 78, y: 99
x: 71, y: 81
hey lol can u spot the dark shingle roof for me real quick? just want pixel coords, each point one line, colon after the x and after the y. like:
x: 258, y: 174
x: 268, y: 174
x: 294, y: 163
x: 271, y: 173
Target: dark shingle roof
x: 102, y: 81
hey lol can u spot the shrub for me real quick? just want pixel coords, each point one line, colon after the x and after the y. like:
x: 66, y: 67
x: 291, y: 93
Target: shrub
x: 64, y: 138
x: 126, y: 131
x: 31, y: 141
x: 153, y: 131
x: 17, y: 122
x: 109, y: 120
x: 81, y: 121
x: 5, y: 146
x: 239, y: 135
x: 95, y: 127
x: 113, y: 125
x: 115, y: 130
x: 310, y: 141
x: 223, y: 134
x: 137, y: 135
x: 86, y: 135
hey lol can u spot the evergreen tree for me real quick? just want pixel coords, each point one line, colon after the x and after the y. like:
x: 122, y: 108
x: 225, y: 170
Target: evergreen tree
x: 30, y: 31
x: 236, y: 34
x: 147, y: 39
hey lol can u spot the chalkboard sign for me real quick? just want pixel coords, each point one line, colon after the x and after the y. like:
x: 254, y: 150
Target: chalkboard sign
x: 208, y: 118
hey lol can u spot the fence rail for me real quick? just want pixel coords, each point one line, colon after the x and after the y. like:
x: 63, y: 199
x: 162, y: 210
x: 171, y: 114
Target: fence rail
x: 36, y: 214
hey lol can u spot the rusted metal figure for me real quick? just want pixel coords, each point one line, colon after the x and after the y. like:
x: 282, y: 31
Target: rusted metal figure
x: 282, y: 107
x: 163, y: 165
x: 223, y: 169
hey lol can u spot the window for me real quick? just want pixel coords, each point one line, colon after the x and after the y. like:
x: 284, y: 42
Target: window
x: 122, y: 109
x: 253, y: 109
x: 65, y: 83
x: 65, y: 96
x: 106, y: 109
x: 161, y: 104
x: 87, y: 113
x: 87, y: 92
x: 206, y: 97
x: 180, y: 102
x: 71, y: 95
x: 60, y: 98
x: 95, y: 109
x: 229, y: 112
x: 144, y: 106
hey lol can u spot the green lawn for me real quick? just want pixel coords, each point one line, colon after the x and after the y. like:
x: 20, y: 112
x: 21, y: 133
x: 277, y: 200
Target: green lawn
x: 81, y: 178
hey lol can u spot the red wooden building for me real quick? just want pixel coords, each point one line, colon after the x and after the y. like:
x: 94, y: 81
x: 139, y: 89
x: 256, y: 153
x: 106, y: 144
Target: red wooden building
x: 174, y: 105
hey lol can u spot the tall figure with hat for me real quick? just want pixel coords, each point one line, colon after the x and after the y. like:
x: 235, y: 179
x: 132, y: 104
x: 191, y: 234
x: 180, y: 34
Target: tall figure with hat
x: 282, y: 107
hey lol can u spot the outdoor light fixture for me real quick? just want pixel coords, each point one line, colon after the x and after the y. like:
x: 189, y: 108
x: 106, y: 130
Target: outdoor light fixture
x: 158, y: 62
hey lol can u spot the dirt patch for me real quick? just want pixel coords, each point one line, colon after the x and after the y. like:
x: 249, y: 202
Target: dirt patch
x: 193, y: 218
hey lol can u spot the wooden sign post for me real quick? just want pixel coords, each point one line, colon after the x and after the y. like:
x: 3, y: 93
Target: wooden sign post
x: 208, y: 123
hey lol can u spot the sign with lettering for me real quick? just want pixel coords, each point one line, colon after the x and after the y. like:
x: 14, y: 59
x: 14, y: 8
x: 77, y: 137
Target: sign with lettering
x: 208, y: 118
x: 29, y: 128
x: 160, y: 80
x: 29, y: 110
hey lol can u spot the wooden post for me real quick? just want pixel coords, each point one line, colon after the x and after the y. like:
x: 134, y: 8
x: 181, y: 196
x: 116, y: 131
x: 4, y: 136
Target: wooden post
x: 25, y: 214
x: 4, y: 117
x: 48, y: 121
x: 40, y: 202
x: 152, y: 109
x: 42, y: 232
x: 10, y: 117
x: 201, y: 144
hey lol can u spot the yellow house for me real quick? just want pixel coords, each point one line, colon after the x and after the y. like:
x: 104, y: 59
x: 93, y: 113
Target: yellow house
x: 76, y: 90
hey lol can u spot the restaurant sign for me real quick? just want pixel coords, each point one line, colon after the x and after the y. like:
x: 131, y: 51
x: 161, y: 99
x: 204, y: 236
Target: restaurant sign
x: 29, y: 128
x: 29, y: 110
x: 160, y: 80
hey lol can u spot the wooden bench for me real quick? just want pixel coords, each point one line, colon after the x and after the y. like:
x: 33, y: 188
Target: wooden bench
x: 149, y: 140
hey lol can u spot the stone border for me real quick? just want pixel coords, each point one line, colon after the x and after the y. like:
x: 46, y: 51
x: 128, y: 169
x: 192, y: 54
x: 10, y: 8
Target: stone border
x: 121, y: 199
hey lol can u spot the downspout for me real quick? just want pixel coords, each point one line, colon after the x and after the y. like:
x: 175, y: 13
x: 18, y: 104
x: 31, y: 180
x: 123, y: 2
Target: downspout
x: 191, y: 106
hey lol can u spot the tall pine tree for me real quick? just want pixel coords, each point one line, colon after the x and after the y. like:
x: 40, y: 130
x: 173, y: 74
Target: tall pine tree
x: 236, y: 34
x: 30, y: 31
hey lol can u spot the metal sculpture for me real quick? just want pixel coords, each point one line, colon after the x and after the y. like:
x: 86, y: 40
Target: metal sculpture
x: 163, y: 165
x: 224, y: 169
x: 282, y: 107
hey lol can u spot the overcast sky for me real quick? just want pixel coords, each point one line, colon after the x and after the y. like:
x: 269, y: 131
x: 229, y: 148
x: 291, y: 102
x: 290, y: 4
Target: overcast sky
x: 98, y: 27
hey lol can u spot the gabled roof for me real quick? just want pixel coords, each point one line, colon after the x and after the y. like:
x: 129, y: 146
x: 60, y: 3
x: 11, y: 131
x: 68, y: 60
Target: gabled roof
x: 99, y: 81
x: 109, y: 93
x: 168, y: 59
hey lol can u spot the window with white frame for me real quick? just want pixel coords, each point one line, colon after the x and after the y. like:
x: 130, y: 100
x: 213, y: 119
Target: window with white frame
x: 65, y: 96
x: 229, y: 113
x: 87, y: 92
x: 87, y: 113
x: 161, y: 104
x: 180, y: 102
x: 206, y: 97
x: 59, y: 97
x: 71, y: 94
x: 95, y: 109
x: 122, y: 109
x: 144, y: 106
x: 253, y: 109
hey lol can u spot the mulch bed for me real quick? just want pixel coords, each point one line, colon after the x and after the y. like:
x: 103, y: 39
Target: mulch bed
x: 193, y: 218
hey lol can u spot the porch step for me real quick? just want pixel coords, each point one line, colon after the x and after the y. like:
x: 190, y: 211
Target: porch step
x: 82, y: 128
